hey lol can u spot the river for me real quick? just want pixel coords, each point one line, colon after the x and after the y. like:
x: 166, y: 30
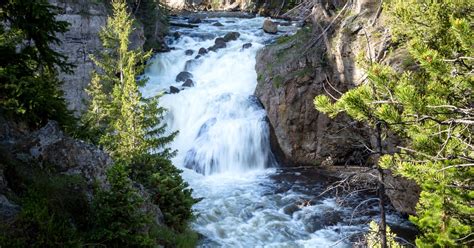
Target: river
x: 224, y: 151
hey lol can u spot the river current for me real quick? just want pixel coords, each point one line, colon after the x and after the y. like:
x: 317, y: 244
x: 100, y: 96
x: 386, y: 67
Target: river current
x: 224, y: 151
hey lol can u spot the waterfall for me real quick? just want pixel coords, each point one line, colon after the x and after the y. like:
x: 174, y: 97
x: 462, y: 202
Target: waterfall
x: 222, y: 126
x: 224, y: 151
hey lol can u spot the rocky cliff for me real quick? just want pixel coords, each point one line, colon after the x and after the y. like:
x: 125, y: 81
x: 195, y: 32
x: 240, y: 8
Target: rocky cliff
x: 322, y: 59
x: 86, y: 19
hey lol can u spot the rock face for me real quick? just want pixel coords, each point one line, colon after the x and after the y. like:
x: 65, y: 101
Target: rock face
x: 286, y: 87
x: 270, y: 27
x: 69, y: 156
x: 87, y: 18
x: 296, y: 69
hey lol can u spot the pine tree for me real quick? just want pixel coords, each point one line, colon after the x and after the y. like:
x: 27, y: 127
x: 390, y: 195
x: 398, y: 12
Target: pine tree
x: 431, y: 107
x: 129, y: 125
x: 118, y: 218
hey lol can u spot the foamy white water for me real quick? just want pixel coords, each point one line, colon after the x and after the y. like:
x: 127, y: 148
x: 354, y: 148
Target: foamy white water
x: 223, y: 148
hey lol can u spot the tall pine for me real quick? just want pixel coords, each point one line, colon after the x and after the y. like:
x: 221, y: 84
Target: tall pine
x: 431, y: 107
x: 128, y: 125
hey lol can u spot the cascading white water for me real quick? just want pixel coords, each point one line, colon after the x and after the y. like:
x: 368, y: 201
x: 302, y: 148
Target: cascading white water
x: 222, y: 127
x: 224, y: 140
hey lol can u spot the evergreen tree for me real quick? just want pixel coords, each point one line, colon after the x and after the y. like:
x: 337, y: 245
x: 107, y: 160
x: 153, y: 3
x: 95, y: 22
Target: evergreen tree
x: 431, y: 107
x: 29, y: 87
x: 129, y: 125
x: 118, y: 218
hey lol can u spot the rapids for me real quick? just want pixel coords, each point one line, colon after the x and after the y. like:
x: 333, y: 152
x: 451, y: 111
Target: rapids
x: 223, y: 148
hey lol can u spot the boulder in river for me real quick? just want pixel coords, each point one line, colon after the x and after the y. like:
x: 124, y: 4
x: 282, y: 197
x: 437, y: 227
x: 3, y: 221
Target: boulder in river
x: 182, y: 76
x: 176, y: 35
x: 189, y: 52
x: 231, y: 36
x: 173, y: 90
x: 246, y: 45
x: 270, y: 27
x: 194, y: 19
x: 217, y: 24
x: 218, y: 44
x: 202, y: 51
x: 188, y: 83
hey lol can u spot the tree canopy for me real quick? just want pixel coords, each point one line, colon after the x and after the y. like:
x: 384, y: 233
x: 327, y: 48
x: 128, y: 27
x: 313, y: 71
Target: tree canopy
x: 431, y: 107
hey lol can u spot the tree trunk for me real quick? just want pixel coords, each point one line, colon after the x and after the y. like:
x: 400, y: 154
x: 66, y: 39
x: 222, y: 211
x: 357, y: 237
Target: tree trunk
x: 381, y: 190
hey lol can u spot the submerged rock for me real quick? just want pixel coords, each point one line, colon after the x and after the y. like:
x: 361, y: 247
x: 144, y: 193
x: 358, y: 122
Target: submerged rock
x: 188, y: 83
x: 202, y: 51
x: 246, y: 45
x: 218, y: 44
x: 270, y: 27
x: 189, y: 52
x: 231, y: 36
x: 174, y: 90
x: 190, y: 64
x: 217, y: 24
x: 194, y: 20
x: 182, y: 76
x: 176, y: 35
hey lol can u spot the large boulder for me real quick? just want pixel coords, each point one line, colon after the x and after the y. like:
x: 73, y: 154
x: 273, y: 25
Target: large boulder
x: 219, y: 43
x: 202, y: 51
x: 231, y: 36
x: 52, y: 147
x: 174, y: 90
x: 182, y: 76
x: 188, y: 83
x: 270, y: 27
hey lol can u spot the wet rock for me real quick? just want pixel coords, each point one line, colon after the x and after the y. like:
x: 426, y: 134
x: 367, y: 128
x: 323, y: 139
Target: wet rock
x: 217, y: 24
x: 197, y: 56
x: 174, y: 90
x: 205, y: 127
x: 246, y: 45
x: 290, y: 209
x: 194, y: 20
x: 202, y: 51
x: 176, y: 35
x: 182, y: 76
x: 189, y: 52
x: 219, y: 43
x: 188, y: 83
x: 8, y: 210
x: 231, y: 36
x: 270, y: 27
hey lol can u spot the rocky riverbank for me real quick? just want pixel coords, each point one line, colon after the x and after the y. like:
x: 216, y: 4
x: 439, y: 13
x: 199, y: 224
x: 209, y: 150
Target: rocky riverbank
x: 322, y: 59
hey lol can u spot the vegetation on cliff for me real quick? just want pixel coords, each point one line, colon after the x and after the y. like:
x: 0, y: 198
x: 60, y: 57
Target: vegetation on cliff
x: 57, y: 210
x: 431, y: 107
